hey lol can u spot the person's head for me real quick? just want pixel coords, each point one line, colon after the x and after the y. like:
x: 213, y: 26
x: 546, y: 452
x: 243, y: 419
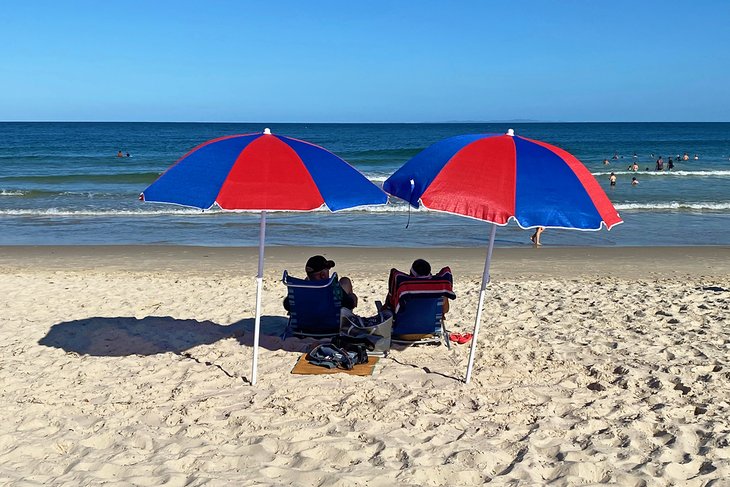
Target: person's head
x: 318, y: 268
x: 420, y: 268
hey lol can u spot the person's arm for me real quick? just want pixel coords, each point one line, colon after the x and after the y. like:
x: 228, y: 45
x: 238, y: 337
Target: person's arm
x: 346, y: 286
x: 446, y: 305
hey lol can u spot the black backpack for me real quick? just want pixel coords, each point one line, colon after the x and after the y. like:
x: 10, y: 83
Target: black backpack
x: 331, y: 356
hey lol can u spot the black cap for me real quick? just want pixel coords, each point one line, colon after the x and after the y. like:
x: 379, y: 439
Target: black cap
x: 318, y: 263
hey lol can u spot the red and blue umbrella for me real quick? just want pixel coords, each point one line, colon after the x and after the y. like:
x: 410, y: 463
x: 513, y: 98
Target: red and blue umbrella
x: 263, y: 172
x: 495, y: 178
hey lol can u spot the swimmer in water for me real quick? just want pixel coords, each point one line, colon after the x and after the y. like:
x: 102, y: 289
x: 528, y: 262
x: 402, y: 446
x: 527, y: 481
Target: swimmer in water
x: 634, y: 181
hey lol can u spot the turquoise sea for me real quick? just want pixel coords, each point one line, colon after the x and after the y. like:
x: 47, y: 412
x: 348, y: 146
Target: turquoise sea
x: 63, y: 184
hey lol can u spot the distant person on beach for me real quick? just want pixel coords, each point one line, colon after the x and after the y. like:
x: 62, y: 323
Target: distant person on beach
x: 634, y: 181
x: 697, y: 158
x: 670, y: 164
x: 615, y: 155
x: 536, y: 236
x: 605, y: 162
x: 660, y: 164
x: 612, y: 179
x: 685, y: 157
x: 634, y: 167
x: 318, y: 269
x: 119, y: 154
x: 128, y: 154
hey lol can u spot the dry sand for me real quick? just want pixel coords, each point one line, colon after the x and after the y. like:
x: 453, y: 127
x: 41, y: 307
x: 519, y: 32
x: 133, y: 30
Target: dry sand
x: 130, y: 366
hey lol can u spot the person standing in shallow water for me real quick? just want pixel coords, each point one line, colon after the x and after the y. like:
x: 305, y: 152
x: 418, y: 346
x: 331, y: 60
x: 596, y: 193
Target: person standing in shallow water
x: 536, y: 236
x: 612, y: 179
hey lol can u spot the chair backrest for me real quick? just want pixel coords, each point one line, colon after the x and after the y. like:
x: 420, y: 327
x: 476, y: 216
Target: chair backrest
x: 314, y: 306
x: 418, y: 301
x: 419, y: 316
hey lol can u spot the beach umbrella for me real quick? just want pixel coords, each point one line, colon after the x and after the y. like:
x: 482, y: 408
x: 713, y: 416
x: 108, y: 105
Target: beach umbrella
x: 497, y: 178
x: 262, y: 172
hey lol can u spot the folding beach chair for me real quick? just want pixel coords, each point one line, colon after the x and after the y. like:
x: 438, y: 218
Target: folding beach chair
x: 314, y: 307
x: 418, y: 304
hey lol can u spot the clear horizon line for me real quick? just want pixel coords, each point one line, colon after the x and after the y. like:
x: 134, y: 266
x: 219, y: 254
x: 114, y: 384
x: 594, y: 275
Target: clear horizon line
x: 455, y: 122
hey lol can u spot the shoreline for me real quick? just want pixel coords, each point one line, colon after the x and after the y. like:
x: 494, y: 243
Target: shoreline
x: 554, y: 262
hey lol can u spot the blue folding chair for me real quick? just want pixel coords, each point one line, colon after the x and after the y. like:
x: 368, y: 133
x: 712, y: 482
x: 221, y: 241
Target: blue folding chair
x: 314, y: 307
x: 420, y: 320
x: 419, y: 304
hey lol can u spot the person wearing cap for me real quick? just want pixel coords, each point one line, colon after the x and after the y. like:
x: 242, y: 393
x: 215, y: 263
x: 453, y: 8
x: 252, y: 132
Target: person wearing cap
x: 318, y: 269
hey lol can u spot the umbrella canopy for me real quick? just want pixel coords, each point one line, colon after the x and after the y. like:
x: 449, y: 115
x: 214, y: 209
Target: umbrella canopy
x: 263, y: 172
x: 496, y: 178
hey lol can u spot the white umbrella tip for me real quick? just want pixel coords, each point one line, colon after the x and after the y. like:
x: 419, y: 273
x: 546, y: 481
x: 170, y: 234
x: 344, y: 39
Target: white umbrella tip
x: 267, y: 131
x: 511, y: 132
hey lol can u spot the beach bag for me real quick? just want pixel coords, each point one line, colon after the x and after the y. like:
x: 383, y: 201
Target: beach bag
x: 373, y: 332
x: 332, y: 357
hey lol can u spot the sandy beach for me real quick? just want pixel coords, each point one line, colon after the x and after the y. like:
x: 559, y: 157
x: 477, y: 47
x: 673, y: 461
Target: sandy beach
x: 124, y: 365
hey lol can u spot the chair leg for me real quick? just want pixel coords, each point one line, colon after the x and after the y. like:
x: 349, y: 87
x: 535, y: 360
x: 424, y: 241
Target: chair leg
x: 445, y: 335
x: 287, y: 331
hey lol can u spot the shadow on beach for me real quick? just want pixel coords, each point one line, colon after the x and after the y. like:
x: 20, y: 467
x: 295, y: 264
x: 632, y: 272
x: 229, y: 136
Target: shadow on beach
x: 125, y: 336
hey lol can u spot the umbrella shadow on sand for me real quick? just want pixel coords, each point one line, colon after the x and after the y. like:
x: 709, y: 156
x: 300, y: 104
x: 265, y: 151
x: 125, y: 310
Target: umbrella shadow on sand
x: 126, y: 336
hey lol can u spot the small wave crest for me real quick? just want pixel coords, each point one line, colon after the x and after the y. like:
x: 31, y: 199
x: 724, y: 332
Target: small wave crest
x: 39, y: 193
x: 131, y: 178
x: 675, y: 205
x: 53, y: 212
x: 720, y: 173
x: 398, y: 153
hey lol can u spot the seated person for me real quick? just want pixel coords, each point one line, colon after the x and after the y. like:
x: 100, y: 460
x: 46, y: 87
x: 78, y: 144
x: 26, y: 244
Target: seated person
x: 318, y: 269
x: 420, y: 269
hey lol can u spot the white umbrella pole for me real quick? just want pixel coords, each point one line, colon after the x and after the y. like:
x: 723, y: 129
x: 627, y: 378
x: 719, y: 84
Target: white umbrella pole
x: 485, y: 281
x: 259, y: 286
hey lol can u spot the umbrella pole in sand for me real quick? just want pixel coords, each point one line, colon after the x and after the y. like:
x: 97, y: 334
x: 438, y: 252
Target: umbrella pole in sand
x: 485, y: 281
x: 259, y: 286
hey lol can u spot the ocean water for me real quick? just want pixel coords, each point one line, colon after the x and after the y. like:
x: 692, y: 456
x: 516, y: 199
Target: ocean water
x: 62, y: 184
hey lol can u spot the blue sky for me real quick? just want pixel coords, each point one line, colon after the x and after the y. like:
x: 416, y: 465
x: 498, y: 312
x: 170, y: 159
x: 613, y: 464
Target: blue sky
x: 368, y: 61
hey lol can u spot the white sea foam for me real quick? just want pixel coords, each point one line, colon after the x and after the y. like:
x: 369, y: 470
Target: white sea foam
x: 675, y: 205
x: 389, y: 208
x: 10, y: 192
x: 65, y: 212
x: 720, y: 173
